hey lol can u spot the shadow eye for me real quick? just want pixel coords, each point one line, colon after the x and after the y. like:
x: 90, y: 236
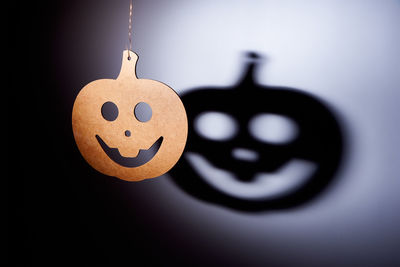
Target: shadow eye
x: 216, y: 126
x: 109, y: 111
x: 143, y: 112
x: 273, y: 128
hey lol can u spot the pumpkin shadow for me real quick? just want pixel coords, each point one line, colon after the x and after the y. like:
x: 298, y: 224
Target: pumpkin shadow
x: 252, y: 147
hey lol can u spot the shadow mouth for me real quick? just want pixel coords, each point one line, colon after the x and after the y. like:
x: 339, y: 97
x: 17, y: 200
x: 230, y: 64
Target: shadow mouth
x: 266, y: 186
x: 144, y: 155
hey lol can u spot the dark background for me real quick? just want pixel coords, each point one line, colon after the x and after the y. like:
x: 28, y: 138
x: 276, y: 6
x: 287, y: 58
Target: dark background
x: 63, y: 211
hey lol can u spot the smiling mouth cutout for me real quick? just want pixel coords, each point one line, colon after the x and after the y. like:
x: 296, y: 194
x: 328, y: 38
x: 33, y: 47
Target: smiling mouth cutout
x: 144, y: 155
x: 266, y: 186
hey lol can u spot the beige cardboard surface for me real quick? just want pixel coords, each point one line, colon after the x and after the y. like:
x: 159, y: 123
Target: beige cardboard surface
x: 168, y: 120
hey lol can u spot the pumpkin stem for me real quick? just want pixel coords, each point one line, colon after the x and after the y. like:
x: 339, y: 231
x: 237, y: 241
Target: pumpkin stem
x: 128, y: 67
x: 248, y: 77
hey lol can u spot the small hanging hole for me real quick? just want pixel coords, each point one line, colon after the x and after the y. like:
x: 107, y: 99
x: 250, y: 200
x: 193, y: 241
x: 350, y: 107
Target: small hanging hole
x: 129, y: 57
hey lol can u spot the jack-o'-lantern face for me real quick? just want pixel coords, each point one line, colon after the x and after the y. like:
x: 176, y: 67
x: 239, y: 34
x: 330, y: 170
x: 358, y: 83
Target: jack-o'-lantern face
x: 255, y: 147
x: 129, y: 128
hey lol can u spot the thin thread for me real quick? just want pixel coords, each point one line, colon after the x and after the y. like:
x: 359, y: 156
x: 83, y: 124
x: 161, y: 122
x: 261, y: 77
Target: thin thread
x: 130, y: 30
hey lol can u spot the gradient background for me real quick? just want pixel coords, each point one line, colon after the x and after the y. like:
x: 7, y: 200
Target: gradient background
x: 345, y: 52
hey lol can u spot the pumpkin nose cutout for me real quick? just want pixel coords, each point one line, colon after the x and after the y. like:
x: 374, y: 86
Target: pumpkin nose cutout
x: 127, y: 133
x: 245, y: 154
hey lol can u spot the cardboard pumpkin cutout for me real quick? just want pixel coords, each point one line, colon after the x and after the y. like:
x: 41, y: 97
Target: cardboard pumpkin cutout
x: 129, y: 128
x: 277, y: 147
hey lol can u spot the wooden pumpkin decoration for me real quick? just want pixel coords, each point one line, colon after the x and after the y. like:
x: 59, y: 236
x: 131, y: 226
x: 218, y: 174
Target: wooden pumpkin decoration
x: 129, y: 128
x: 243, y: 165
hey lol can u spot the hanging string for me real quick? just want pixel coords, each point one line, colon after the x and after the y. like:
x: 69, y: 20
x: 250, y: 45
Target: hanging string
x: 130, y: 30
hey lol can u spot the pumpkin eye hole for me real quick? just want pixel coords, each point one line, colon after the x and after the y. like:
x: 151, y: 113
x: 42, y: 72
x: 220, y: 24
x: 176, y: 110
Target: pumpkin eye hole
x: 216, y: 126
x: 273, y: 128
x: 109, y: 111
x: 143, y: 112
